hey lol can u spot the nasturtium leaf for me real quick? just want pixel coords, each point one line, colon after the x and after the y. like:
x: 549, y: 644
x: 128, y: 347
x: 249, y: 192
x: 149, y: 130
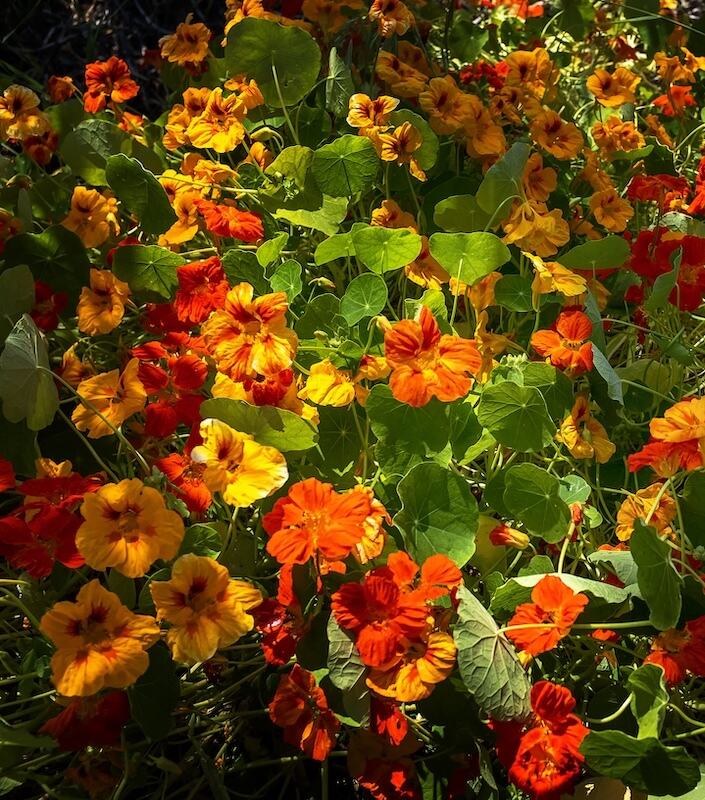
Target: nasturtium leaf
x: 659, y: 583
x: 21, y: 737
x: 201, y: 540
x: 608, y: 253
x: 140, y: 192
x: 87, y: 148
x: 18, y: 445
x: 123, y: 587
x: 513, y: 292
x: 622, y: 563
x: 155, y: 694
x: 556, y: 389
x: 469, y: 256
x: 339, y: 85
x: 365, y: 296
x: 16, y: 296
x: 664, y: 285
x: 643, y: 764
x: 147, y: 269
x: 337, y: 246
x: 502, y: 182
x: 338, y: 439
x: 425, y: 429
x: 55, y: 256
x: 438, y: 515
x: 287, y: 278
x: 285, y: 61
x: 574, y: 489
x: 241, y: 266
x: 345, y: 666
x: 649, y: 699
x: 292, y: 163
x: 346, y: 166
x: 488, y: 663
x: 385, y: 249
x: 606, y: 371
x: 465, y: 429
x: 693, y: 508
x: 268, y: 252
x: 269, y: 425
x: 27, y: 387
x: 532, y: 495
x: 321, y: 314
x: 326, y: 218
x: 427, y: 154
x: 518, y: 590
x: 460, y: 213
x: 516, y: 416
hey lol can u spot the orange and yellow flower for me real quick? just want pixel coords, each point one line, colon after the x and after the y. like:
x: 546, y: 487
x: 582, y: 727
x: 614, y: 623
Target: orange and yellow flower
x: 236, y: 466
x: 188, y: 45
x: 399, y: 146
x: 101, y: 306
x: 93, y: 216
x: 206, y: 608
x: 559, y: 138
x: 610, y: 210
x: 653, y: 503
x: 100, y: 643
x: 108, y: 80
x: 583, y: 435
x: 567, y: 346
x: 612, y: 90
x: 111, y: 397
x: 392, y: 17
x: 370, y: 115
x: 219, y: 127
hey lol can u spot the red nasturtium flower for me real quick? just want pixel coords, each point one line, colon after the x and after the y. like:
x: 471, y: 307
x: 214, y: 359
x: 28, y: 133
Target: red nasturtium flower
x: 301, y: 708
x: 7, y: 475
x: 202, y: 289
x: 566, y: 345
x: 543, y: 755
x: 680, y: 652
x: 108, y: 80
x: 280, y: 621
x: 90, y: 722
x: 426, y: 364
x: 48, y: 304
x: 314, y: 520
x: 226, y: 220
x: 554, y: 606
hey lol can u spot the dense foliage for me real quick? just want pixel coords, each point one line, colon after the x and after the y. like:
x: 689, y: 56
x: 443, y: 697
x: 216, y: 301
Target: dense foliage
x: 352, y: 434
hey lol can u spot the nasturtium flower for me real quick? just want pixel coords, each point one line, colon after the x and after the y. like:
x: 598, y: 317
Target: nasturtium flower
x: 611, y: 210
x: 369, y: 115
x: 127, y: 526
x: 313, y: 520
x: 548, y: 618
x: 680, y: 652
x: 100, y: 643
x: 616, y: 135
x: 186, y: 479
x: 202, y: 289
x: 427, y: 364
x: 614, y: 89
x: 187, y: 209
x: 504, y: 536
x: 550, y: 276
x: 188, y: 45
x: 424, y: 270
x: 111, y: 398
x: 561, y: 139
x: 392, y: 17
x: 101, y: 306
x: 675, y: 101
x: 249, y: 336
x: 533, y: 227
x: 224, y: 219
x: 61, y: 88
x: 567, y: 346
x: 538, y: 181
x: 391, y: 215
x: 329, y: 16
x: 108, y: 81
x: 326, y: 385
x: 300, y: 707
x: 651, y: 502
x: 207, y: 609
x: 219, y: 127
x: 532, y: 71
x: 90, y: 722
x: 583, y: 435
x: 20, y: 116
x: 399, y: 146
x: 280, y: 390
x: 93, y: 216
x: 236, y: 466
x: 404, y: 79
x: 445, y: 104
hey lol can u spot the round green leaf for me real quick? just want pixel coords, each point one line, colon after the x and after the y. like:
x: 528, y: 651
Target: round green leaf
x: 385, y: 249
x: 532, y: 496
x: 438, y: 515
x: 427, y: 154
x: 658, y: 580
x: 365, y: 296
x: 262, y: 49
x: 147, y: 269
x: 140, y: 192
x: 516, y: 416
x: 460, y: 213
x: 287, y: 278
x: 513, y: 292
x: 346, y: 166
x: 608, y: 253
x: 502, y: 182
x: 469, y: 256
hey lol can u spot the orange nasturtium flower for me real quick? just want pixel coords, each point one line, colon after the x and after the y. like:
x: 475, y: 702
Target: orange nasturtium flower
x: 584, y: 436
x: 128, y: 526
x: 100, y: 643
x: 326, y: 385
x: 20, y: 116
x: 102, y: 306
x: 611, y: 211
x: 650, y: 502
x: 533, y: 227
x: 426, y: 364
x: 567, y: 346
x: 613, y: 89
x: 206, y: 608
x: 392, y: 17
x: 313, y: 519
x: 550, y: 276
x: 554, y: 606
x: 92, y: 216
x: 236, y: 465
x: 249, y: 336
x: 115, y: 396
x: 188, y: 45
x: 561, y: 139
x: 370, y: 115
x: 300, y: 707
x: 400, y: 145
x: 447, y: 107
x: 108, y: 80
x: 219, y: 127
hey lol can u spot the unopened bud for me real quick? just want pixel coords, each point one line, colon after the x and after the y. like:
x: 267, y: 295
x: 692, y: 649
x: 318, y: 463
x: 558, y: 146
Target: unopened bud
x: 263, y: 135
x: 383, y: 324
x: 504, y: 536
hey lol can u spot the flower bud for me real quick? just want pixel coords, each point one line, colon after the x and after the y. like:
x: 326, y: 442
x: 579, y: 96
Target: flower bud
x: 504, y: 536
